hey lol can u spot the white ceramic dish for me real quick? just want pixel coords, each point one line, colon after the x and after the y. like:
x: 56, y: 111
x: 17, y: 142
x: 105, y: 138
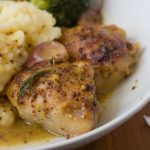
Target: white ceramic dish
x: 132, y: 15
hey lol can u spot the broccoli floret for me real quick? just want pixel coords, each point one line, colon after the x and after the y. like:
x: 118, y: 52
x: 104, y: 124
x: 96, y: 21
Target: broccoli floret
x: 42, y: 4
x: 66, y: 12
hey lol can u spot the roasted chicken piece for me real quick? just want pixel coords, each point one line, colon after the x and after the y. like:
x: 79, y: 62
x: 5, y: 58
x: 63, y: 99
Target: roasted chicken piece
x: 59, y: 97
x: 106, y: 48
x: 47, y: 50
x: 91, y: 17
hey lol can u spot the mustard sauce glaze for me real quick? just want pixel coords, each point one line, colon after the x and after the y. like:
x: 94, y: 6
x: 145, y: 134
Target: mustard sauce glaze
x: 22, y: 133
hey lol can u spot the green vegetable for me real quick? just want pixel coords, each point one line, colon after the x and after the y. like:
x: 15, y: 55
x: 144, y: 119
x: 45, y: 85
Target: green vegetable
x: 66, y: 12
x: 42, y: 4
x: 28, y: 82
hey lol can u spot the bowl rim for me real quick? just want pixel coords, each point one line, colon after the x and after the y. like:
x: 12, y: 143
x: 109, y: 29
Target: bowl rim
x: 102, y: 129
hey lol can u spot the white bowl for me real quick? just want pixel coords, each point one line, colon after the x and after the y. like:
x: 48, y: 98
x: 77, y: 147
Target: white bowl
x: 132, y: 15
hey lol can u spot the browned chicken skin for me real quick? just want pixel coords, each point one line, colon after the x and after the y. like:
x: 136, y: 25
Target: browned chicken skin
x: 59, y: 97
x: 106, y: 48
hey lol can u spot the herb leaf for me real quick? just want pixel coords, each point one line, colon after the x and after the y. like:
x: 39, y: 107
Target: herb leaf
x: 28, y: 82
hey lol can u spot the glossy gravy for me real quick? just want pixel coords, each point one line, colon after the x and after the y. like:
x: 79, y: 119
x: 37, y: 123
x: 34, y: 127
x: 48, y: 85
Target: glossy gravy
x: 22, y: 133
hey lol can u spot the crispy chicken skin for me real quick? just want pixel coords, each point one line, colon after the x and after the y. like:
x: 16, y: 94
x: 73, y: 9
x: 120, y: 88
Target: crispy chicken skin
x: 106, y: 48
x: 59, y: 97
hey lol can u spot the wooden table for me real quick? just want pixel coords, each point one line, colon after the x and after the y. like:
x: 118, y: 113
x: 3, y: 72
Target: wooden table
x: 133, y: 135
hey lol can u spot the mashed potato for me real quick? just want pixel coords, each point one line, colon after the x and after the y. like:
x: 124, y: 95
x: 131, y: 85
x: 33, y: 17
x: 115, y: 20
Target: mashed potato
x: 12, y: 55
x: 7, y: 113
x: 22, y: 26
x: 38, y: 25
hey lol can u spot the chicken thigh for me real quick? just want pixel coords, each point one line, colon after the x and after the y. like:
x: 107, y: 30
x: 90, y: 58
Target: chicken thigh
x: 106, y: 48
x: 59, y: 97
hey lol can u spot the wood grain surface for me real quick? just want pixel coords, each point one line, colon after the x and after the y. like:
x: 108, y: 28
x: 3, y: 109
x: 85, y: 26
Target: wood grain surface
x: 133, y: 135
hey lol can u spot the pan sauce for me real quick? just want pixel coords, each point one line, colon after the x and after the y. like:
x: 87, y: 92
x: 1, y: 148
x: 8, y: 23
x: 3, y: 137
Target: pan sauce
x: 22, y: 133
